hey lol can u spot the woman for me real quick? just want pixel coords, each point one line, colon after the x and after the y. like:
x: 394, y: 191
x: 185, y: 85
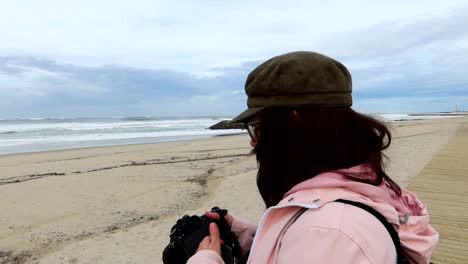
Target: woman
x: 320, y: 165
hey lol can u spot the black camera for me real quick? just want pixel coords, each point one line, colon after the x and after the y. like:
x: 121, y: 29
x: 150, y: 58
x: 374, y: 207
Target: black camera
x: 189, y: 231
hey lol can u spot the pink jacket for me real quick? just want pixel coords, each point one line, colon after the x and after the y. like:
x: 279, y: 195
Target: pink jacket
x: 331, y: 232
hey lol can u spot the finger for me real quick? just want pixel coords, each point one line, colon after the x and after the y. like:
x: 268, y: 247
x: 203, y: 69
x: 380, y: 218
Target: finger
x: 229, y: 219
x: 214, y: 234
x: 204, y: 244
x: 212, y: 215
x: 206, y: 240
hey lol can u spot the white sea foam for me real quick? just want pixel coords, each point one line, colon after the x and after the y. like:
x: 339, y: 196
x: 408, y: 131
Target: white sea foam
x: 100, y: 137
x: 79, y: 126
x: 47, y: 134
x: 26, y: 135
x: 404, y: 117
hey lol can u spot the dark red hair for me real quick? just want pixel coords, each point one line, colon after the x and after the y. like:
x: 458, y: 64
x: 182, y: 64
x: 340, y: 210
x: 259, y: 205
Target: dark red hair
x: 295, y: 146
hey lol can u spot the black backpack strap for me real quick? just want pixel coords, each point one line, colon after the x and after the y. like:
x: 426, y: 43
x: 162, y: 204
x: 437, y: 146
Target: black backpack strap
x: 391, y: 230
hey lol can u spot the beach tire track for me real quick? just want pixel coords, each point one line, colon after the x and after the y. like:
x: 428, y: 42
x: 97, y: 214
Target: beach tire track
x: 172, y: 160
x: 18, y: 179
x: 25, y: 178
x: 420, y: 134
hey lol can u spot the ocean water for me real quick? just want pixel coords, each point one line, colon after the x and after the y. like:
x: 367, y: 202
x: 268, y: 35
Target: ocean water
x: 409, y: 117
x: 32, y: 135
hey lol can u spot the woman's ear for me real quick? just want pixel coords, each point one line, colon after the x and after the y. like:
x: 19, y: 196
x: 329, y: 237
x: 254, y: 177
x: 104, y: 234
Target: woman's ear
x: 296, y: 114
x: 295, y: 117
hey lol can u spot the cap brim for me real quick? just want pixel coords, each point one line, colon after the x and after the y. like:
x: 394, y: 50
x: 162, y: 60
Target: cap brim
x: 244, y: 116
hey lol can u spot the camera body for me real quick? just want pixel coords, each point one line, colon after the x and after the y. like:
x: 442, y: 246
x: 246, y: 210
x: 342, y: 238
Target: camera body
x: 189, y: 231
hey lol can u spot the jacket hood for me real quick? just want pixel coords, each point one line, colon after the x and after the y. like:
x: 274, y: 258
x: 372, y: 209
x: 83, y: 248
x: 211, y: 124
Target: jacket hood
x: 406, y: 212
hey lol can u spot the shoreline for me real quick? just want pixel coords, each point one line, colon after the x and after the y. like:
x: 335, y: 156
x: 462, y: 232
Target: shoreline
x: 117, y: 204
x: 120, y: 145
x: 13, y: 143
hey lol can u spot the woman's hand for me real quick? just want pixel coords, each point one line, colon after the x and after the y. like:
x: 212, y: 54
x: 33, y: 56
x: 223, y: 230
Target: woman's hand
x: 215, y: 216
x: 211, y: 242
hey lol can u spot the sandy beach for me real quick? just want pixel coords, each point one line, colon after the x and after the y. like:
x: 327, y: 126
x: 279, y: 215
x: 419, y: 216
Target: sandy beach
x: 117, y: 204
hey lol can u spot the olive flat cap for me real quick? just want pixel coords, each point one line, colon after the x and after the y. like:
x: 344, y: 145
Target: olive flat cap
x: 297, y: 79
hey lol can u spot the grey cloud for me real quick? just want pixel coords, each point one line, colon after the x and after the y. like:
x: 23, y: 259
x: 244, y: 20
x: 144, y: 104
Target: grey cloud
x: 115, y: 78
x: 424, y: 58
x: 396, y: 37
x: 53, y: 88
x: 421, y: 59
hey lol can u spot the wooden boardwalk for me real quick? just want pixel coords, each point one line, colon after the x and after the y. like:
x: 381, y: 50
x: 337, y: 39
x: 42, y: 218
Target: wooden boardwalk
x: 443, y: 186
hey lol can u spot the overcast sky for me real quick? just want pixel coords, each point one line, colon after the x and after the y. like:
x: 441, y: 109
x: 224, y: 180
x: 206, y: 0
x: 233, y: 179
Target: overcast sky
x: 184, y: 58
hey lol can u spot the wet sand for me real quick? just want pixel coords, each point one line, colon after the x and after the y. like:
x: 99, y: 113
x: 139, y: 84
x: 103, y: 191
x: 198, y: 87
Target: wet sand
x: 117, y: 204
